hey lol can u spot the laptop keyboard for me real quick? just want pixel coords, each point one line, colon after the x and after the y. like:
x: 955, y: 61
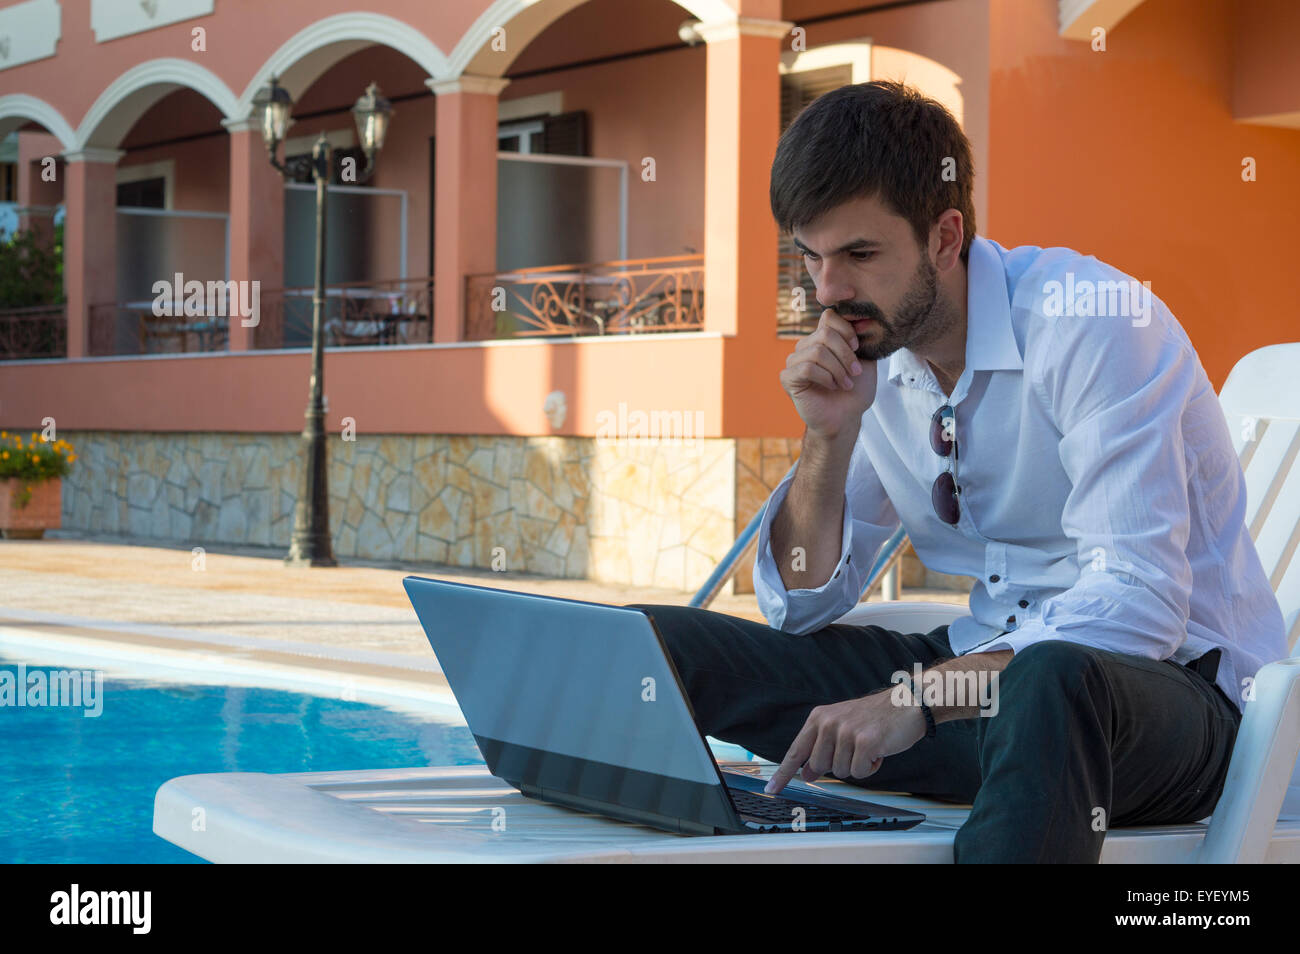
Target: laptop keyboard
x: 777, y: 809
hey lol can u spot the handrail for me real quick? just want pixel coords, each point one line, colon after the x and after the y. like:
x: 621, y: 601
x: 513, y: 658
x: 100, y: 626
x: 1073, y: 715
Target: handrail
x: 890, y: 553
x: 722, y: 572
x: 617, y: 264
x: 356, y: 283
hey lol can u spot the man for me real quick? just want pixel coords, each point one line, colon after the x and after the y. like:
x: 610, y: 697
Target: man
x: 1036, y: 420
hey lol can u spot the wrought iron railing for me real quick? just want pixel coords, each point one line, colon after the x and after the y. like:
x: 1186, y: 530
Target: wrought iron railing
x: 631, y: 296
x: 134, y: 328
x: 37, y: 332
x: 389, y: 312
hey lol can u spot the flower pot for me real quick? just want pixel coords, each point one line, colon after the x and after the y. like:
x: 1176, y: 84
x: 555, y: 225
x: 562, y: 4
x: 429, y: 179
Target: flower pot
x: 44, y: 511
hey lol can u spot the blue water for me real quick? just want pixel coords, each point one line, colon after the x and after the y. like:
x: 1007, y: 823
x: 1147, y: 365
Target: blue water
x: 77, y: 789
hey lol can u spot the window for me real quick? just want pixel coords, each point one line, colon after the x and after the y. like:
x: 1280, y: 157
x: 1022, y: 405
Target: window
x: 143, y: 193
x: 524, y: 138
x: 564, y: 134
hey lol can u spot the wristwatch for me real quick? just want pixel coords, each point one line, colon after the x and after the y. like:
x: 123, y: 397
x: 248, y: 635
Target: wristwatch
x: 930, y: 726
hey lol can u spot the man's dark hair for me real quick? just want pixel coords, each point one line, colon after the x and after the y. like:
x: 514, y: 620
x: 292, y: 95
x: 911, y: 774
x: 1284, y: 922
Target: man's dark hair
x: 880, y: 139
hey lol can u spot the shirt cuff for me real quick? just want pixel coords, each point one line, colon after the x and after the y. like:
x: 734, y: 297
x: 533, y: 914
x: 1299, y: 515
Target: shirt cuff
x: 801, y: 611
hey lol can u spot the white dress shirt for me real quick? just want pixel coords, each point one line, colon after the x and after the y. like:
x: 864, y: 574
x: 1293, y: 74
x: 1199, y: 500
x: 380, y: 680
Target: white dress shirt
x: 1101, y: 499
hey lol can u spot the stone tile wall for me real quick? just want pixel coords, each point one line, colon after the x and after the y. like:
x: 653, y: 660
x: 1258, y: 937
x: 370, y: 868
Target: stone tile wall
x: 643, y: 512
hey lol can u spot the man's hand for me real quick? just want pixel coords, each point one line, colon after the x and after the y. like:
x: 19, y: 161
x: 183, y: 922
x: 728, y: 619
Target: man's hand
x: 850, y: 739
x: 819, y: 376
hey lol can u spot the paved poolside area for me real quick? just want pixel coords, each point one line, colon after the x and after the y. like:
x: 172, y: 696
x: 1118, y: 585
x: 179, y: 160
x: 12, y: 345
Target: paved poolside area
x: 247, y: 598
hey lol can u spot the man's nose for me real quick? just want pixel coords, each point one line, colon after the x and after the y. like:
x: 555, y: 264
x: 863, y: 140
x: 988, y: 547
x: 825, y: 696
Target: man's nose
x: 832, y: 288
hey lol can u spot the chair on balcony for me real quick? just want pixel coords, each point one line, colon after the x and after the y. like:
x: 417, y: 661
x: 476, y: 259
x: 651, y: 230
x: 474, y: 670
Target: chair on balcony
x: 438, y: 814
x: 203, y: 332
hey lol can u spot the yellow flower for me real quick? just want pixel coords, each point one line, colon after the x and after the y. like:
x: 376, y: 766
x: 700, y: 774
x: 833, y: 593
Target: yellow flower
x: 71, y: 458
x: 4, y: 433
x: 33, y: 435
x: 4, y: 455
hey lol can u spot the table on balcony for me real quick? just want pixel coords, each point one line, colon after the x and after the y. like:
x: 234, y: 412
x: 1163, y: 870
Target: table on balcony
x: 212, y: 333
x: 368, y: 324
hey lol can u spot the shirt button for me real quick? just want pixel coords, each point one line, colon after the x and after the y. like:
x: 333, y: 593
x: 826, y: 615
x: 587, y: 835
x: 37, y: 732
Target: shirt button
x: 994, y: 578
x: 1024, y: 602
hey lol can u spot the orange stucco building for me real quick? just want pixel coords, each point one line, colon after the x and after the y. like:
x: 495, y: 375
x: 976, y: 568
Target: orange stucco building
x: 654, y: 123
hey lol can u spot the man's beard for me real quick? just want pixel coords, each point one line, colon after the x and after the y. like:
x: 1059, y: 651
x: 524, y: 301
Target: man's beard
x: 920, y: 317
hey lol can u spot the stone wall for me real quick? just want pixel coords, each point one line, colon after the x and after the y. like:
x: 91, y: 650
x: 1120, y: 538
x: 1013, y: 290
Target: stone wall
x: 643, y: 512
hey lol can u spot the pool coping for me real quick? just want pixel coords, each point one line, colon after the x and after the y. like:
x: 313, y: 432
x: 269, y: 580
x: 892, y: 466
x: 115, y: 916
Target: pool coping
x: 340, y: 670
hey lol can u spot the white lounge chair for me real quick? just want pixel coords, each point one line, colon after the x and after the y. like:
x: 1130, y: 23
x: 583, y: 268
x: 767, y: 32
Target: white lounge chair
x: 464, y: 814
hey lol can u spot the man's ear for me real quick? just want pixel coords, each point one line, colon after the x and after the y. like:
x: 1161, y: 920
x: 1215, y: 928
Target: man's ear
x: 946, y: 238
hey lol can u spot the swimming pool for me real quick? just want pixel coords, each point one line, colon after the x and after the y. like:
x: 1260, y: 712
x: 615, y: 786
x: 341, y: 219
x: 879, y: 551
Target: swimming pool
x: 80, y: 788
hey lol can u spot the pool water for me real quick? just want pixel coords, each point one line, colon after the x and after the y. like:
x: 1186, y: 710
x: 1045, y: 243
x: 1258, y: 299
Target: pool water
x: 77, y: 789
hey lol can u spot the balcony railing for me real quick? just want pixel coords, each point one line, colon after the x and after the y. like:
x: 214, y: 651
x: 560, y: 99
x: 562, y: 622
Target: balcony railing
x: 397, y: 311
x: 37, y: 332
x: 390, y: 312
x: 133, y: 328
x: 631, y: 296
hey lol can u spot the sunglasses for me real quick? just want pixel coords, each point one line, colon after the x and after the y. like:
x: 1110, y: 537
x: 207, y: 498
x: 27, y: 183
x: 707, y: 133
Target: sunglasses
x: 943, y: 438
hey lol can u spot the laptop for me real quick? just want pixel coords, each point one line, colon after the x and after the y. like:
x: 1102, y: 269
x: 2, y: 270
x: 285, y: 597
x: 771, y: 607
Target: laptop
x: 579, y: 704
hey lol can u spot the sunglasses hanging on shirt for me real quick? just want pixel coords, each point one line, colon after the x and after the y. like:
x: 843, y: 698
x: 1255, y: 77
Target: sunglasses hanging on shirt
x: 944, y: 495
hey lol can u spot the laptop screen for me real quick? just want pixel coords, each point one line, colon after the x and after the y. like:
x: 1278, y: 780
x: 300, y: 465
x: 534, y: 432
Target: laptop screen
x: 571, y: 697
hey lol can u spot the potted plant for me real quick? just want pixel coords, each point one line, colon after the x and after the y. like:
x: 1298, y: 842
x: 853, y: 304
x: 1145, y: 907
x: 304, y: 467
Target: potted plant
x: 31, y: 488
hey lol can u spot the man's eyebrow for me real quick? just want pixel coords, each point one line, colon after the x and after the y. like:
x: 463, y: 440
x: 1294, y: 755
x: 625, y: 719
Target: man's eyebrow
x: 855, y: 245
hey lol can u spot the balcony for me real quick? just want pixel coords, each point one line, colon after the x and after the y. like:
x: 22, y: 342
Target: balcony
x: 630, y: 296
x: 365, y: 313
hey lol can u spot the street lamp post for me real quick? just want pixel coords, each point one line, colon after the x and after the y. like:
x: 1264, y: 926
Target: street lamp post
x: 311, y: 544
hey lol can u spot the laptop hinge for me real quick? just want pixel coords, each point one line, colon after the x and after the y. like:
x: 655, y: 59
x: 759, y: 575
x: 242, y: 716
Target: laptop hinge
x: 613, y: 810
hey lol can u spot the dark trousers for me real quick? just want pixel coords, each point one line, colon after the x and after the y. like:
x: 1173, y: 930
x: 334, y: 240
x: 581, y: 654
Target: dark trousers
x: 1084, y: 739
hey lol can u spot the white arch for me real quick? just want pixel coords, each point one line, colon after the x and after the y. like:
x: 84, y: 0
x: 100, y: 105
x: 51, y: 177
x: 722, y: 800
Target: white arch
x: 525, y: 19
x: 128, y: 97
x: 16, y: 109
x: 314, y: 49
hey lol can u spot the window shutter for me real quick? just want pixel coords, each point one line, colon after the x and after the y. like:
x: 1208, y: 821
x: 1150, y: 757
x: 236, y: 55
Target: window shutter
x: 565, y: 134
x: 797, y: 91
x: 800, y: 89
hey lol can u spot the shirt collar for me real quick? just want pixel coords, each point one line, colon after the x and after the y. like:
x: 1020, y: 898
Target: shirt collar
x: 990, y: 341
